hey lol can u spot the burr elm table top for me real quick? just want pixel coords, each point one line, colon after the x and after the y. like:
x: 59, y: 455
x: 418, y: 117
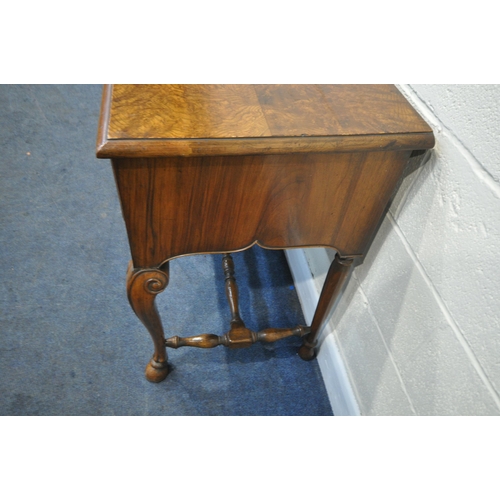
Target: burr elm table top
x: 200, y: 120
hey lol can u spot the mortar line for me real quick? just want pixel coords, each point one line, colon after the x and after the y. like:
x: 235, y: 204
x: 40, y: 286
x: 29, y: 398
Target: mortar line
x: 483, y: 175
x: 336, y: 339
x: 398, y: 373
x: 444, y: 309
x: 402, y: 202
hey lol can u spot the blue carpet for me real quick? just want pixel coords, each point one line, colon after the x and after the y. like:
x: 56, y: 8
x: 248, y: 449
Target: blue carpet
x: 69, y: 342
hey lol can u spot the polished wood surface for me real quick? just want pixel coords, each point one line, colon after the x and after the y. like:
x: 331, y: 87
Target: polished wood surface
x: 219, y: 168
x: 278, y: 201
x: 185, y: 111
x: 334, y: 281
x: 238, y: 336
x: 143, y: 285
x: 231, y: 290
x: 199, y: 120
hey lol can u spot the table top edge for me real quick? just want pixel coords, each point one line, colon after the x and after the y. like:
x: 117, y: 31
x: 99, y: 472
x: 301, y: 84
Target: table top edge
x: 109, y: 147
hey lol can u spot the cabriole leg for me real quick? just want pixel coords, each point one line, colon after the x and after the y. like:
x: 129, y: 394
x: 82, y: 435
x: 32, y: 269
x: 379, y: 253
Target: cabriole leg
x: 142, y: 287
x: 335, y: 279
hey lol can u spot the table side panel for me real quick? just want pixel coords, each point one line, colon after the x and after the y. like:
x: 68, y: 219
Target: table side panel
x: 187, y: 205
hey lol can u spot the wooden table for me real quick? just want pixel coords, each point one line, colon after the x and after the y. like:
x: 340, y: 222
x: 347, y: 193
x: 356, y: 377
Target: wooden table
x: 220, y: 168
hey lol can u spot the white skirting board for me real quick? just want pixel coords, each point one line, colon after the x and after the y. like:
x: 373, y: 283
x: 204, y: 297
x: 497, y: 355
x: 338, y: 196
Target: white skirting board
x: 331, y: 365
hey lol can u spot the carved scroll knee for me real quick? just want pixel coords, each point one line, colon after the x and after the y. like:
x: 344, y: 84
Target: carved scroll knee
x: 142, y: 287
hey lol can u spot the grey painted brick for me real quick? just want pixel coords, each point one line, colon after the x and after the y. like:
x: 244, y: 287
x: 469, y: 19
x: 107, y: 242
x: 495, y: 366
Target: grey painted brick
x: 451, y: 220
x: 368, y: 363
x: 472, y: 113
x: 436, y: 371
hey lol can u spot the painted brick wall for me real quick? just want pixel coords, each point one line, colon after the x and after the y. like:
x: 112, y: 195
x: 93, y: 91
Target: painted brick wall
x: 418, y: 326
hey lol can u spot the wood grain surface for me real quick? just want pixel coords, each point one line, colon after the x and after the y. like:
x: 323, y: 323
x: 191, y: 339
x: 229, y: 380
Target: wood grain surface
x: 219, y: 168
x: 197, y: 120
x: 180, y: 206
x: 185, y: 111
